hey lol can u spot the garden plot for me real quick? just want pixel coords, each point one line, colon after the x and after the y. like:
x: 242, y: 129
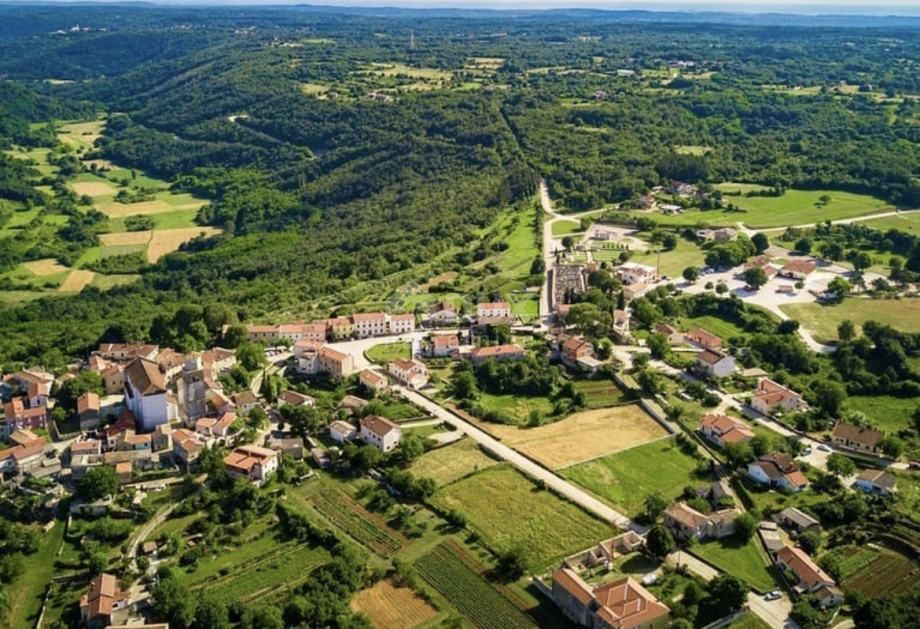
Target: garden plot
x: 389, y: 605
x: 93, y: 188
x: 76, y: 281
x: 168, y: 240
x: 44, y: 267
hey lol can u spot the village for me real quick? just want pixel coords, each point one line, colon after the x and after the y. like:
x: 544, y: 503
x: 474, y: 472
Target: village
x: 137, y: 419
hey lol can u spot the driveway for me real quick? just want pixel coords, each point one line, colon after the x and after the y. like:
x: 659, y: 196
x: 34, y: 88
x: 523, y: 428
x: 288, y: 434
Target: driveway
x: 559, y: 485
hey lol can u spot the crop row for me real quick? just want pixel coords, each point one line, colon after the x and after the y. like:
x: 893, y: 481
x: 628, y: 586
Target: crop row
x: 358, y: 522
x: 247, y: 585
x: 857, y: 561
x: 890, y: 574
x: 468, y: 591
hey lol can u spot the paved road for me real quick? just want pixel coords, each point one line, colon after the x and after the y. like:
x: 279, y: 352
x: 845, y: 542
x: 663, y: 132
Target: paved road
x: 358, y: 347
x: 554, y: 482
x: 774, y: 613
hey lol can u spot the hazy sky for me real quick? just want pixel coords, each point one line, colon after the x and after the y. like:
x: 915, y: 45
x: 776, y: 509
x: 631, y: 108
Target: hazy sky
x: 611, y: 4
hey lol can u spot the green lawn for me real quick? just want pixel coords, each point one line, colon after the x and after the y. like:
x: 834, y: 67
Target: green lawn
x: 714, y: 325
x: 749, y: 621
x: 24, y: 594
x: 388, y: 352
x: 795, y: 207
x: 890, y: 414
x: 672, y: 263
x: 908, y: 222
x: 822, y: 320
x: 599, y: 393
x: 625, y: 479
x: 743, y: 560
x: 508, y: 511
x: 526, y: 305
x: 516, y: 406
x: 564, y: 228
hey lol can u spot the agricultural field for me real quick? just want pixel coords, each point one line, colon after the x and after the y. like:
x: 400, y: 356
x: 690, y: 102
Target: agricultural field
x: 24, y: 594
x: 822, y: 320
x: 388, y: 352
x: 518, y: 407
x: 450, y: 463
x: 906, y: 222
x: 387, y: 604
x: 459, y: 578
x: 744, y: 560
x: 622, y: 479
x: 714, y: 325
x: 599, y: 393
x: 583, y: 436
x: 507, y: 511
x: 889, y: 414
x: 348, y: 515
x: 874, y: 570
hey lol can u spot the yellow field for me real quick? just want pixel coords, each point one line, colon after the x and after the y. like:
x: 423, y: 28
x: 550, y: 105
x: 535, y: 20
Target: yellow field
x: 582, y: 436
x: 168, y: 240
x: 447, y: 464
x: 76, y: 281
x: 115, y: 209
x: 387, y: 605
x: 81, y: 135
x: 46, y: 266
x: 125, y: 238
x: 93, y: 188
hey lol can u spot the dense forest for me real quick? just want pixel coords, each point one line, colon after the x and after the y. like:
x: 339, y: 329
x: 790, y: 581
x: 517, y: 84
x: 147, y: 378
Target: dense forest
x: 334, y: 179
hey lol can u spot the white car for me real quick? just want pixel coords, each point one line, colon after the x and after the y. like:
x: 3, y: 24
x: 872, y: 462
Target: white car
x: 823, y: 448
x: 773, y: 596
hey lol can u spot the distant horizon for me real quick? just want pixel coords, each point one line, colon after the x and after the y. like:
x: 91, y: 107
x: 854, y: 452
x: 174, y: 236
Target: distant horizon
x: 812, y: 7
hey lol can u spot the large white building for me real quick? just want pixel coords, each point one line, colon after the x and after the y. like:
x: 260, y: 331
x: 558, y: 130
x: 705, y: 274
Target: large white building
x: 367, y: 324
x: 380, y: 432
x: 145, y: 394
x: 493, y: 310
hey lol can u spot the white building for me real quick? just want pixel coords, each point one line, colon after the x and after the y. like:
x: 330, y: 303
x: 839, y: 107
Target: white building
x: 145, y: 394
x: 493, y: 310
x: 367, y: 324
x: 342, y: 432
x: 252, y: 463
x: 412, y: 373
x: 380, y: 432
x: 402, y: 323
x: 635, y: 273
x: 715, y: 364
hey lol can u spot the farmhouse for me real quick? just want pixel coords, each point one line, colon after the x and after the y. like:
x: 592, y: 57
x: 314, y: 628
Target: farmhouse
x: 413, y: 373
x: 443, y: 345
x: 674, y: 336
x: 252, y: 463
x: 216, y: 428
x: 807, y: 577
x: 635, y: 273
x: 621, y: 604
x: 100, y: 605
x: 88, y: 410
x: 342, y: 432
x: 777, y: 470
x: 715, y: 364
x: 771, y: 396
x: 443, y: 314
x: 372, y: 381
x: 113, y: 378
x: 340, y: 327
x: 334, y: 363
x: 634, y: 291
x: 703, y: 339
x: 722, y: 430
x: 681, y: 188
x: 145, y: 394
x: 647, y: 201
x: 671, y: 209
x: 687, y: 523
x: 380, y: 432
x: 496, y: 352
x: 493, y: 310
x: 366, y: 324
x: 857, y: 438
x: 798, y: 269
x: 876, y: 482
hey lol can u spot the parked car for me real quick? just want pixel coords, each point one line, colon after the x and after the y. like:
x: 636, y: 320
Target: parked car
x: 773, y: 596
x: 823, y: 448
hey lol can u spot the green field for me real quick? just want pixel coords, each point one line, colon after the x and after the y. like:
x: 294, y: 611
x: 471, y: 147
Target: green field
x: 906, y: 222
x: 795, y: 207
x: 672, y: 263
x: 564, y: 228
x: 889, y: 414
x: 508, y: 511
x: 600, y: 393
x: 749, y: 621
x: 24, y: 594
x: 822, y: 320
x: 624, y: 481
x: 517, y: 407
x: 714, y: 325
x: 873, y: 571
x: 447, y: 464
x: 388, y: 352
x: 743, y: 560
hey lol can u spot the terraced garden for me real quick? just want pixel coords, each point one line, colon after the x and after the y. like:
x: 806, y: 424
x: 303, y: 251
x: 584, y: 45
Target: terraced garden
x: 459, y: 578
x: 367, y: 528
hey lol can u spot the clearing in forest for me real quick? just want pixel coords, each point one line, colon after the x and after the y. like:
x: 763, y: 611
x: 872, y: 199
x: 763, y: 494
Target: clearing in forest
x: 122, y: 239
x: 45, y: 266
x: 76, y: 281
x: 114, y: 209
x: 168, y: 240
x: 93, y: 188
x: 389, y: 605
x: 583, y: 436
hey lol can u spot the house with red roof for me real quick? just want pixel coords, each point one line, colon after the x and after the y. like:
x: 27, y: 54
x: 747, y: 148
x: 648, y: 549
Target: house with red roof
x: 380, y: 432
x: 722, y: 430
x: 777, y: 470
x: 807, y: 577
x: 496, y: 352
x: 771, y: 396
x: 620, y: 604
x: 100, y: 604
x: 253, y: 463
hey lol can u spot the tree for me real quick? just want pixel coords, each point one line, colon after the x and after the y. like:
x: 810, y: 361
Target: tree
x: 803, y: 245
x: 761, y: 242
x: 727, y: 593
x: 410, y: 447
x: 721, y: 288
x: 98, y: 482
x: 738, y: 454
x: 755, y: 277
x: 463, y: 382
x: 235, y: 336
x: 745, y: 526
x: 830, y: 396
x: 174, y: 601
x: 511, y: 564
x: 659, y: 542
x: 250, y: 356
x: 568, y: 242
x: 861, y: 261
x: 810, y: 541
x: 691, y: 274
x: 211, y: 614
x: 654, y: 505
x: 659, y: 346
x: 846, y: 331
x: 840, y: 465
x: 840, y: 287
x: 892, y: 446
